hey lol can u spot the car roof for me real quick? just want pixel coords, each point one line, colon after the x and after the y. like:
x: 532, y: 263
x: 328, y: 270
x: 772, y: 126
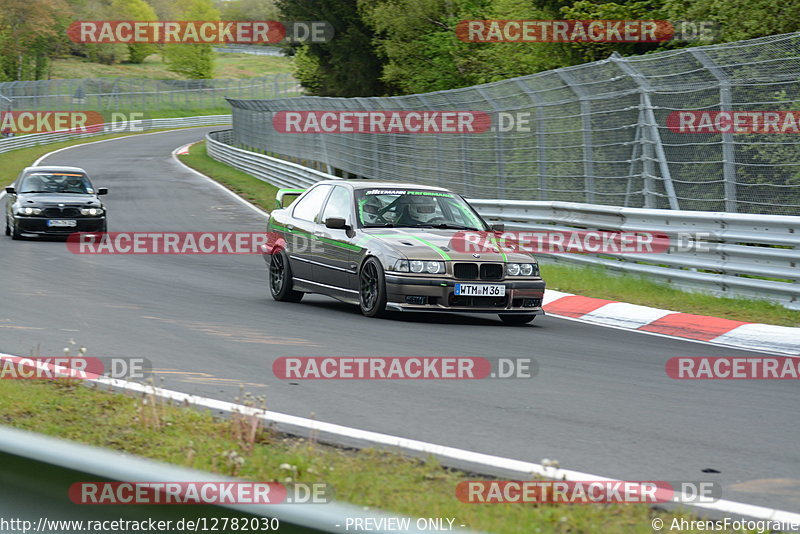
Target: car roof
x: 57, y: 168
x: 373, y: 184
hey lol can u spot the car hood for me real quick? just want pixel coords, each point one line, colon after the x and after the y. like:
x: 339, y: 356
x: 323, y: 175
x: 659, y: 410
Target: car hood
x: 46, y: 199
x: 435, y: 244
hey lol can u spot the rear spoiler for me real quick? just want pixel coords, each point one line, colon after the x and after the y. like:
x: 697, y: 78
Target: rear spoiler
x: 281, y: 195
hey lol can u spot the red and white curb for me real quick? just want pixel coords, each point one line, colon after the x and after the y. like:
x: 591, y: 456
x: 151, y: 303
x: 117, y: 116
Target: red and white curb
x: 183, y: 150
x: 739, y: 334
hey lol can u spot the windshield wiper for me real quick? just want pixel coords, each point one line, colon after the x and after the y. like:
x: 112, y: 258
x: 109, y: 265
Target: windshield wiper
x: 384, y: 225
x: 447, y: 226
x: 26, y: 192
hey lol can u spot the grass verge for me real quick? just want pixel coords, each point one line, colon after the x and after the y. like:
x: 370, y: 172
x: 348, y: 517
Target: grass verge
x: 234, y: 66
x: 254, y: 190
x: 587, y: 281
x: 150, y: 428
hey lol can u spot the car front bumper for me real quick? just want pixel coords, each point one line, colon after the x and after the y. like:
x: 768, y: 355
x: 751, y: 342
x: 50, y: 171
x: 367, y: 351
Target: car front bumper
x: 405, y: 292
x: 38, y: 226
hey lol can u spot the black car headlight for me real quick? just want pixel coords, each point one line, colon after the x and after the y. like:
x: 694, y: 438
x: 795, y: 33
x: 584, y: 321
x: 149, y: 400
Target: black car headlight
x: 418, y: 266
x: 92, y: 212
x: 522, y: 269
x: 29, y: 211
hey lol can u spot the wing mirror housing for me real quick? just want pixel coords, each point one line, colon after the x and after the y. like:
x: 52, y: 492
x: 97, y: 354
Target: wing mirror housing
x: 10, y: 190
x: 102, y: 190
x: 336, y: 223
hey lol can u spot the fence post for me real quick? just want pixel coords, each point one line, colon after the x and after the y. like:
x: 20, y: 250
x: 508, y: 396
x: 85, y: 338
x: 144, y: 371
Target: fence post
x: 586, y: 127
x: 651, y: 125
x: 498, y: 144
x: 541, y: 146
x: 728, y: 148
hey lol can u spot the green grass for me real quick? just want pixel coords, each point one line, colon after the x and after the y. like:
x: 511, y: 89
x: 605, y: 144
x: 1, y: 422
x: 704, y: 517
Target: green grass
x: 594, y: 282
x: 147, y: 427
x: 259, y: 193
x: 235, y: 66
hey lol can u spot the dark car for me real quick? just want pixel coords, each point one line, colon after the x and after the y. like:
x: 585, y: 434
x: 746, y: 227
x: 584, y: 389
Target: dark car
x: 53, y: 201
x: 390, y: 247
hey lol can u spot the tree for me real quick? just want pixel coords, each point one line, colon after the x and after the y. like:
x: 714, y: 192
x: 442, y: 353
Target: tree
x: 135, y: 10
x: 195, y: 61
x: 29, y: 33
x: 347, y: 65
x: 248, y: 9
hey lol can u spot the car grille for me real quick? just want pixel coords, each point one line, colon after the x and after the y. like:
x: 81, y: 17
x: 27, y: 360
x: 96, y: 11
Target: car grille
x: 477, y: 302
x: 475, y: 271
x: 61, y: 212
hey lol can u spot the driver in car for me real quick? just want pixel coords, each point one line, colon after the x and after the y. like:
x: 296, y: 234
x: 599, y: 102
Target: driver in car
x: 417, y: 210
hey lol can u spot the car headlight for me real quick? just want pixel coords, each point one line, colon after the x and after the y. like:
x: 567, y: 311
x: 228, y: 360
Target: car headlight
x: 400, y: 266
x: 29, y: 211
x: 91, y: 211
x: 430, y: 267
x: 522, y: 269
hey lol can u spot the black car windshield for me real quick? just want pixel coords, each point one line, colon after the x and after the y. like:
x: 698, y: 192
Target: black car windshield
x: 56, y: 182
x: 415, y: 208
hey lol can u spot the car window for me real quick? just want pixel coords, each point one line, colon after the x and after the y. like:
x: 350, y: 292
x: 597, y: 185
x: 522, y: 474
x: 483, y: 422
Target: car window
x: 56, y: 182
x: 338, y: 205
x: 309, y: 206
x: 415, y: 208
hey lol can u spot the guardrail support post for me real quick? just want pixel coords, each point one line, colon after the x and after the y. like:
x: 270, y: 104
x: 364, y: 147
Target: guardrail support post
x: 498, y: 144
x: 541, y: 144
x: 728, y: 149
x: 586, y: 127
x: 651, y: 126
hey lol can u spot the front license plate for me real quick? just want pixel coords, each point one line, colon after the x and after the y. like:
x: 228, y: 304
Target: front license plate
x: 481, y: 290
x: 61, y: 223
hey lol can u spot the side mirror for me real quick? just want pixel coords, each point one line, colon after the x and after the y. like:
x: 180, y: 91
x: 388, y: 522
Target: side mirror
x: 499, y: 227
x: 102, y: 190
x: 336, y: 223
x: 10, y: 190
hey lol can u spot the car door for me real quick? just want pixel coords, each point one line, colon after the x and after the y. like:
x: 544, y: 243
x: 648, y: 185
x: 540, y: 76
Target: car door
x: 300, y: 238
x: 333, y: 265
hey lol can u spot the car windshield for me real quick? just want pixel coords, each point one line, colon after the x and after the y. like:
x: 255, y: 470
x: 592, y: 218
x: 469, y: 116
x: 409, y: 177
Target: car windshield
x: 56, y: 182
x: 415, y: 208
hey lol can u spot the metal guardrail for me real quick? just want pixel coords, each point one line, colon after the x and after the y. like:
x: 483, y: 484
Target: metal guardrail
x: 754, y: 256
x: 268, y: 169
x: 252, y: 50
x: 27, y: 141
x: 39, y: 470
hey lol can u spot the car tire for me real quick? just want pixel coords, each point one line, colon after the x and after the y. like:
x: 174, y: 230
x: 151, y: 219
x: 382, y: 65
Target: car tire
x: 280, y: 279
x: 372, y: 289
x: 8, y: 230
x: 514, y: 319
x: 15, y: 232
